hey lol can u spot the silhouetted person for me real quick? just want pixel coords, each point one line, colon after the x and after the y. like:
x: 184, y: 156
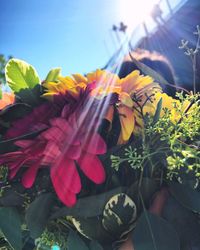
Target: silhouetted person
x: 156, y: 14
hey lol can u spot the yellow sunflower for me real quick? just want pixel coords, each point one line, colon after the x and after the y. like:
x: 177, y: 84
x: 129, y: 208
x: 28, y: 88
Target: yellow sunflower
x: 104, y: 82
x: 136, y: 96
x: 72, y: 85
x: 173, y: 105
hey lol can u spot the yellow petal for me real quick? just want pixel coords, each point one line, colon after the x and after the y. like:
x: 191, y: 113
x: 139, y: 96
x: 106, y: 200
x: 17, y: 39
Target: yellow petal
x: 103, y: 78
x: 126, y: 99
x: 70, y: 83
x: 127, y: 121
x: 80, y: 78
x: 129, y: 82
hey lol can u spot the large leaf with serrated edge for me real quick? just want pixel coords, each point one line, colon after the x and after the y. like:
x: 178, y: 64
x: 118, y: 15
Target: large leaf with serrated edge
x: 23, y: 79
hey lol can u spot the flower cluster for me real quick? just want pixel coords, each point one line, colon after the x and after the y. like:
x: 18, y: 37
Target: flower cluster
x: 62, y: 137
x: 67, y: 121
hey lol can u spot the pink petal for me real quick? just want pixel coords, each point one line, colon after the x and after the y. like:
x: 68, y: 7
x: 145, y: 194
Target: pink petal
x: 65, y: 111
x: 67, y: 197
x: 92, y: 167
x: 29, y: 176
x: 51, y: 150
x: 65, y: 177
x: 53, y: 133
x: 36, y: 148
x: 24, y: 143
x: 62, y: 124
x: 72, y: 152
x: 93, y: 144
x: 69, y: 134
x: 39, y: 127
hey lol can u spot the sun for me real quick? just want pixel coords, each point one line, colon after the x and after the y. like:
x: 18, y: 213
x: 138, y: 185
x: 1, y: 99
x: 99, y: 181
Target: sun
x: 134, y: 12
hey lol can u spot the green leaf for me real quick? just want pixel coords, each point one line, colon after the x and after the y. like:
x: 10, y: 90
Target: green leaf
x: 74, y: 242
x: 119, y: 215
x: 10, y: 225
x: 184, y: 221
x: 81, y: 208
x: 15, y: 111
x: 186, y: 195
x: 11, y: 198
x: 147, y: 189
x: 154, y: 233
x: 158, y: 110
x: 95, y: 245
x: 21, y: 75
x: 23, y: 79
x: 38, y: 213
x: 0, y: 93
x: 85, y: 226
x: 53, y: 75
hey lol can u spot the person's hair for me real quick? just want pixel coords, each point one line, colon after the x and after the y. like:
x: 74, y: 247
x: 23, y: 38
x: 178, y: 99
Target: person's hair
x: 154, y: 60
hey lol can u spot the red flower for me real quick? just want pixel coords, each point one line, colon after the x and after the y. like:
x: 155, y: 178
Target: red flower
x: 66, y: 146
x: 62, y: 147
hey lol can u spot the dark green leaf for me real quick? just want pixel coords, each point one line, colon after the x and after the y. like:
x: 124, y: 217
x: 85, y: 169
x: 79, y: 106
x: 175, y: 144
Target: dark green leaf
x: 74, y: 242
x: 81, y: 208
x: 6, y: 146
x: 11, y: 198
x: 158, y: 110
x: 186, y: 195
x: 15, y: 111
x: 119, y: 215
x: 38, y: 214
x: 10, y: 225
x: 31, y: 96
x: 85, y: 226
x: 53, y: 75
x: 184, y: 221
x: 23, y: 79
x: 154, y: 233
x: 147, y: 189
x: 95, y: 246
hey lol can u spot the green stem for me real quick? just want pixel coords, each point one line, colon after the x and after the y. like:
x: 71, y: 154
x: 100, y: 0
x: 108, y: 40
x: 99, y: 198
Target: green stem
x: 148, y: 222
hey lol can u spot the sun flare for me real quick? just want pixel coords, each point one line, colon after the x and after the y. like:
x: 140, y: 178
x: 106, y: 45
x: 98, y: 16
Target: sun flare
x: 133, y: 12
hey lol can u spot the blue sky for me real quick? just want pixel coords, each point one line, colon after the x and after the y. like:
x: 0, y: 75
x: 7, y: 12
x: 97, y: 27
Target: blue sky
x: 74, y: 35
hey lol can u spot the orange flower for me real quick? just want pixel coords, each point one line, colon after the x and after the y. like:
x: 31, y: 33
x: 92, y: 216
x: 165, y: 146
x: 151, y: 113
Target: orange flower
x: 7, y: 99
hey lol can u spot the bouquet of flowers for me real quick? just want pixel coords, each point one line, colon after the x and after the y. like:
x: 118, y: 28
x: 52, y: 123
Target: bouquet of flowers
x: 82, y: 158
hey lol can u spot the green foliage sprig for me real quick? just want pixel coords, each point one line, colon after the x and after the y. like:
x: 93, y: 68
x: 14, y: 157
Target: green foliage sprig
x: 192, y: 53
x: 169, y: 144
